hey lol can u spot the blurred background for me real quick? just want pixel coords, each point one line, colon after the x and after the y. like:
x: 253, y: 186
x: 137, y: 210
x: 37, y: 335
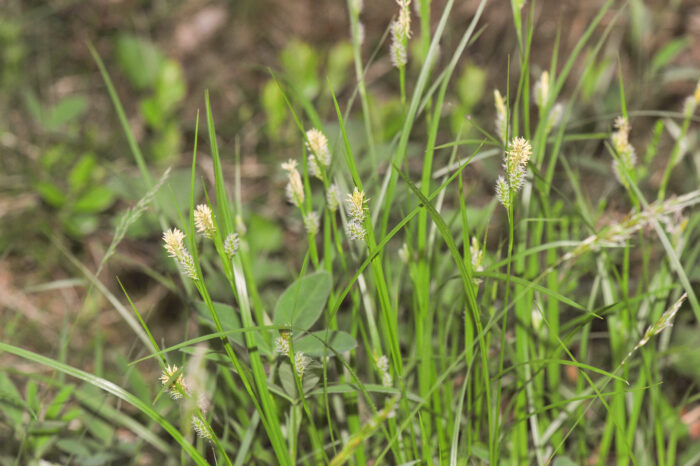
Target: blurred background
x: 67, y: 174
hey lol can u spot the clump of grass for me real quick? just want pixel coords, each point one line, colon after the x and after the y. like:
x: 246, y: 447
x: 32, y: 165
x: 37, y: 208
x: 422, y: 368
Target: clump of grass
x: 423, y: 324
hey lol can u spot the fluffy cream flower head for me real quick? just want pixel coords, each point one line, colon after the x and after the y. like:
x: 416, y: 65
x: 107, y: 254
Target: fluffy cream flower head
x: 295, y: 188
x: 204, y: 221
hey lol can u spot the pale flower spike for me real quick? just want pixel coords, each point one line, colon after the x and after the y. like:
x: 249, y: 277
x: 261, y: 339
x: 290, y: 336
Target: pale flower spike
x: 173, y: 240
x: 515, y: 161
x: 317, y: 143
x: 355, y: 231
x: 664, y: 322
x: 301, y: 362
x: 625, y: 150
x: 203, y: 221
x: 333, y: 197
x: 231, y: 244
x: 541, y: 90
x: 356, y: 205
x: 201, y: 428
x: 477, y: 256
x: 175, y: 386
x: 356, y: 209
x: 400, y: 33
x: 282, y: 344
x: 501, y: 123
x: 311, y: 223
x: 383, y: 368
x: 295, y: 188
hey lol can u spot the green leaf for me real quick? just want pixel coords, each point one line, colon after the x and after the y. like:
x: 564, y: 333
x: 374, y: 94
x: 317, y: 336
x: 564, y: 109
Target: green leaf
x: 95, y: 199
x: 50, y: 193
x: 308, y: 381
x: 302, y: 303
x: 471, y: 86
x: 74, y: 447
x: 170, y: 86
x: 273, y: 104
x: 339, y: 60
x: 65, y: 111
x: 109, y: 387
x: 315, y: 344
x: 264, y: 234
x: 668, y: 52
x: 30, y: 394
x: 54, y: 409
x: 227, y: 315
x: 80, y: 225
x: 80, y: 173
x: 300, y: 63
x: 139, y: 59
x: 11, y: 402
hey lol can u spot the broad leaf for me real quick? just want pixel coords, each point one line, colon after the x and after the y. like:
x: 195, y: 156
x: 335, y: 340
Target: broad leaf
x: 302, y: 303
x: 315, y: 343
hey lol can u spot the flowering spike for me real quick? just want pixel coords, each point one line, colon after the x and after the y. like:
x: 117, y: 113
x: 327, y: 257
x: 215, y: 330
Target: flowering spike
x: 173, y: 240
x: 203, y: 221
x: 356, y: 205
x: 201, y: 428
x: 400, y: 33
x: 541, y: 90
x: 625, y: 150
x: 515, y: 161
x: 301, y: 362
x: 317, y: 143
x: 333, y: 197
x: 175, y: 386
x: 295, y: 188
x: 355, y: 231
x: 231, y: 244
x: 501, y: 123
x: 311, y: 223
x: 282, y: 343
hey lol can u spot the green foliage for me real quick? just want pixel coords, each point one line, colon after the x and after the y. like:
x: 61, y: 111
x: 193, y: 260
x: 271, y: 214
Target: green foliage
x: 424, y: 323
x: 162, y: 80
x: 79, y: 199
x: 303, y: 301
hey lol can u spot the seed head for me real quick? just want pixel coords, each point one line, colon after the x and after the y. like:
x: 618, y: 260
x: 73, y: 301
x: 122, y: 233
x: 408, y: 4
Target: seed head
x: 355, y: 230
x: 404, y: 19
x: 201, y: 428
x: 501, y: 123
x: 382, y: 363
x: 541, y: 90
x: 295, y: 188
x: 387, y: 381
x: 519, y: 151
x: 555, y: 116
x: 173, y: 242
x: 176, y: 386
x: 300, y: 363
x: 203, y: 221
x: 400, y: 33
x: 625, y: 150
x: 404, y: 253
x: 333, y: 197
x: 311, y: 223
x: 356, y: 205
x: 317, y: 143
x: 397, y: 50
x: 503, y: 192
x: 282, y: 343
x: 231, y: 244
